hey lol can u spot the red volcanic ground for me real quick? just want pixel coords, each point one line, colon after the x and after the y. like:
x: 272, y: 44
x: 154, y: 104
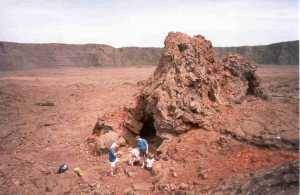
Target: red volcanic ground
x: 46, y: 116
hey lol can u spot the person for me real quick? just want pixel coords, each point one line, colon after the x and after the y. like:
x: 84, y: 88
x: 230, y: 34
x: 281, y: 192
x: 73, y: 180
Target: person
x: 112, y: 157
x: 149, y: 162
x: 142, y: 145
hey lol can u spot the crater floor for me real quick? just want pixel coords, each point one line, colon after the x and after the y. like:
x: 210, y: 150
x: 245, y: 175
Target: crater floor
x: 46, y: 115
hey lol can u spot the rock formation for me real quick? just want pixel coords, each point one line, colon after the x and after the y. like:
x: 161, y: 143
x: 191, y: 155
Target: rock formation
x: 187, y: 85
x: 191, y: 89
x: 282, y: 179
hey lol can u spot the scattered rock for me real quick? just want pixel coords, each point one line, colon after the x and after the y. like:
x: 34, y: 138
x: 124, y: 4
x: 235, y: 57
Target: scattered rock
x: 47, y: 103
x: 203, y: 175
x: 183, y: 186
x: 128, y: 173
x: 157, y: 168
x: 172, y: 187
x: 174, y: 174
x: 128, y: 191
x: 221, y: 141
x: 49, y: 124
x: 142, y: 186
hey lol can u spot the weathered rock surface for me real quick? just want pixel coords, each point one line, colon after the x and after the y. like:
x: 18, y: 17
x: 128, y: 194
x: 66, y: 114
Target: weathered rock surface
x: 107, y: 130
x: 283, y: 179
x: 188, y: 83
x: 192, y: 88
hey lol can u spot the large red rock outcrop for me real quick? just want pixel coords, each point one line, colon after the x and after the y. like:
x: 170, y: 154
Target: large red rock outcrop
x: 188, y: 84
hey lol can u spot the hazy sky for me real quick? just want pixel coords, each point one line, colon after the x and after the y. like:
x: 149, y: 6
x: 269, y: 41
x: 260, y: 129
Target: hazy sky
x: 147, y: 22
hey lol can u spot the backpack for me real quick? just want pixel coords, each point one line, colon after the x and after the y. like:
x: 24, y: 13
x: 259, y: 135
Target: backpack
x: 111, y: 155
x: 142, y: 144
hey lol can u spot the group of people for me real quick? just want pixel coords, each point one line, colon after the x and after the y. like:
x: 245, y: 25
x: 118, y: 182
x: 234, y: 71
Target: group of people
x: 139, y: 153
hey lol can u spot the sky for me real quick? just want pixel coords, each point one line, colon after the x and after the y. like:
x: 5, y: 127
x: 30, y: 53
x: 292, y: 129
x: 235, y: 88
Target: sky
x: 145, y: 23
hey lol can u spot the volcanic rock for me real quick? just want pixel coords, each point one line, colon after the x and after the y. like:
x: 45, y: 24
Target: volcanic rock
x: 283, y: 179
x: 188, y: 84
x: 157, y: 169
x: 107, y: 130
x: 183, y: 186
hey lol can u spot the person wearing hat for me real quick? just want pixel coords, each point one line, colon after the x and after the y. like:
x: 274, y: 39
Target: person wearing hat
x: 112, y: 157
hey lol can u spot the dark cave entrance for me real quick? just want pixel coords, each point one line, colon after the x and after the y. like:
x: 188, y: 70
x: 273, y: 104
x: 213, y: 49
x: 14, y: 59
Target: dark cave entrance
x: 149, y: 133
x: 148, y: 129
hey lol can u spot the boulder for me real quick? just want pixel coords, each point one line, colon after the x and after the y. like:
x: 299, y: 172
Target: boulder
x: 157, y: 169
x: 107, y: 130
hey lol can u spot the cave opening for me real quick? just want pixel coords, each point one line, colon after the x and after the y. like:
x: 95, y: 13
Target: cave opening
x: 149, y: 133
x: 148, y: 130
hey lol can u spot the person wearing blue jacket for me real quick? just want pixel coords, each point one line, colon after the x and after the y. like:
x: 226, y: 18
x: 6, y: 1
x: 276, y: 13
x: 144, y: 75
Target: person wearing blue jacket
x: 112, y: 157
x: 142, y: 145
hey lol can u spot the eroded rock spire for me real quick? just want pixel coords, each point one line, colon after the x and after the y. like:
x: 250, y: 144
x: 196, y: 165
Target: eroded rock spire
x: 187, y: 85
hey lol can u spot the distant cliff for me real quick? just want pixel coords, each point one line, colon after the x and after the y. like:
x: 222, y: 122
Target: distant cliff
x: 24, y: 56
x: 277, y: 53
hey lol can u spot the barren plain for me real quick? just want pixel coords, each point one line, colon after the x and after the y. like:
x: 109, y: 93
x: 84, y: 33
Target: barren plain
x: 47, y: 114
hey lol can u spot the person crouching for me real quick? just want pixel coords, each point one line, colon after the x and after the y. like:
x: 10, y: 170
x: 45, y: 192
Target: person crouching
x: 149, y: 162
